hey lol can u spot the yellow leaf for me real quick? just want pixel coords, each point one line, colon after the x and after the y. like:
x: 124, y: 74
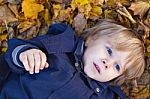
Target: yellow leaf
x: 96, y: 11
x: 4, y: 49
x: 107, y: 13
x: 31, y: 8
x: 65, y: 15
x: 57, y: 8
x: 110, y: 2
x: 3, y: 37
x: 140, y: 8
x: 97, y: 2
x: 1, y: 29
x: 86, y: 10
x: 77, y: 3
x: 47, y: 17
x: 148, y: 49
x: 25, y: 25
x: 82, y: 2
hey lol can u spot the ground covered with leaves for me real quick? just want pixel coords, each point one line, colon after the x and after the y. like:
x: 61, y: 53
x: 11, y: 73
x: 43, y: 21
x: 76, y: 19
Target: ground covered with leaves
x: 25, y: 19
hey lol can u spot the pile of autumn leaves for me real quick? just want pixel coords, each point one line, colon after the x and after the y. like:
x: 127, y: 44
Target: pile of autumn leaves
x: 28, y: 18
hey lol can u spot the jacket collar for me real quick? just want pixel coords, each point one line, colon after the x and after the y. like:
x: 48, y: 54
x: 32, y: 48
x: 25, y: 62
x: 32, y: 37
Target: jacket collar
x: 78, y: 53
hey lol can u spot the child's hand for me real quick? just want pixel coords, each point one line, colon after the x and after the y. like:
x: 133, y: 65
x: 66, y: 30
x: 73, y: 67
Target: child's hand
x: 33, y: 60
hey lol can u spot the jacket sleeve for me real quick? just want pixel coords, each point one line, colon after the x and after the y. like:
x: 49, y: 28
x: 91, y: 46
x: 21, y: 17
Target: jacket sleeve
x: 54, y: 41
x: 4, y: 70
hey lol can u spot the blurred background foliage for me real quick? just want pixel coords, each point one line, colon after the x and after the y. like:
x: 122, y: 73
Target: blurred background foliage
x: 25, y: 19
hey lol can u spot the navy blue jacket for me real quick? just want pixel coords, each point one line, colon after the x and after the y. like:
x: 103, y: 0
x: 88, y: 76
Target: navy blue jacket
x: 64, y: 79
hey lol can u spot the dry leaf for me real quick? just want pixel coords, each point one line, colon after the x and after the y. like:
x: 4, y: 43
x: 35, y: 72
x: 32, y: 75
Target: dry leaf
x: 97, y: 2
x: 56, y: 8
x: 95, y: 12
x: 123, y: 11
x: 31, y: 9
x: 25, y: 25
x: 65, y: 14
x: 32, y: 32
x: 6, y: 15
x: 140, y: 8
x: 14, y: 9
x: 47, y: 17
x: 14, y: 1
x: 81, y: 2
x: 2, y: 2
x: 79, y: 23
x: 3, y: 37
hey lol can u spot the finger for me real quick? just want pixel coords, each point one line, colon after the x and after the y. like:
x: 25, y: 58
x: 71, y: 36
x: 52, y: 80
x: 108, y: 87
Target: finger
x: 43, y: 59
x: 37, y: 61
x: 24, y: 60
x: 31, y: 62
x: 46, y: 65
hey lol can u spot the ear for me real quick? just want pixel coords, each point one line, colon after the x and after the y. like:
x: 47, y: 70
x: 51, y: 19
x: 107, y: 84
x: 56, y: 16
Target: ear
x: 88, y: 41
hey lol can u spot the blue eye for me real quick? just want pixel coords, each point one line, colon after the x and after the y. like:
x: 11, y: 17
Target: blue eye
x: 117, y: 67
x: 109, y: 50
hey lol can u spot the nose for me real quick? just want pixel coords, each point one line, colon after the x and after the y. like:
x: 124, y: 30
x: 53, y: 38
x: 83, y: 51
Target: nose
x: 106, y: 63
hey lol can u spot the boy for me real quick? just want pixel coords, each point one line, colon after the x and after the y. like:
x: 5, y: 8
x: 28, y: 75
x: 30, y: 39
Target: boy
x: 112, y: 54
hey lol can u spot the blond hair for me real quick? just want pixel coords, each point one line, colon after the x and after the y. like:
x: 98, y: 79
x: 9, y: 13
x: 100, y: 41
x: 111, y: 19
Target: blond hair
x: 122, y: 39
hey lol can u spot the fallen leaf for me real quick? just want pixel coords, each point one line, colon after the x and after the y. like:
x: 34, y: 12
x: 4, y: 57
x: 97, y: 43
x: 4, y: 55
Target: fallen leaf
x: 25, y: 25
x: 79, y: 3
x: 123, y: 11
x: 56, y: 8
x: 3, y: 37
x: 2, y: 2
x: 4, y: 49
x: 14, y: 9
x: 97, y: 2
x: 58, y: 1
x: 31, y: 9
x: 79, y: 23
x: 6, y: 15
x: 82, y: 2
x: 47, y: 17
x: 65, y: 14
x: 95, y: 12
x: 140, y: 8
x: 14, y: 1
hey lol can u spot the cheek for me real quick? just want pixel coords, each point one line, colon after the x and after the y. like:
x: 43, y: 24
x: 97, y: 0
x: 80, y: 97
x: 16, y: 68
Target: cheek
x: 108, y: 75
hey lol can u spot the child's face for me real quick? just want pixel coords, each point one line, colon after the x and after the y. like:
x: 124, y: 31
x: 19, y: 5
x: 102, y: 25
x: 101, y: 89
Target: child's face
x: 101, y: 61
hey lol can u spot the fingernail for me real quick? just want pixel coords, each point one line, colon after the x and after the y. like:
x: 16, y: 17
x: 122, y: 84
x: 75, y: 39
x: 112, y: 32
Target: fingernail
x: 36, y: 71
x: 31, y: 72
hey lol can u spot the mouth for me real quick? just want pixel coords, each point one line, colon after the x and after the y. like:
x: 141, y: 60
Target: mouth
x: 96, y: 67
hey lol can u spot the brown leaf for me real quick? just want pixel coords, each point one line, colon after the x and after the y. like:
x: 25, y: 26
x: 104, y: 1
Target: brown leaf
x: 140, y: 8
x: 3, y: 2
x: 14, y: 9
x: 25, y: 25
x: 79, y: 23
x: 6, y: 15
x: 123, y: 11
x: 14, y: 1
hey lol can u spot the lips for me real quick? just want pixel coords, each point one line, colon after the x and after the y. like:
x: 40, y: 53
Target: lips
x: 97, y: 67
